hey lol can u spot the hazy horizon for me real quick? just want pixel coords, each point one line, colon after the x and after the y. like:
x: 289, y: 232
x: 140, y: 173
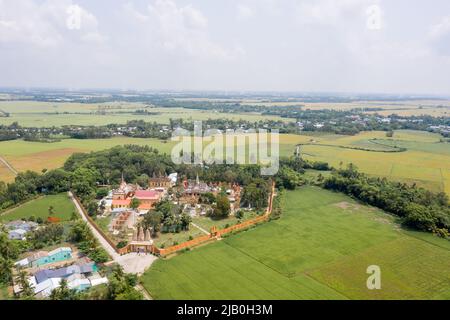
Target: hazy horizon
x: 288, y: 46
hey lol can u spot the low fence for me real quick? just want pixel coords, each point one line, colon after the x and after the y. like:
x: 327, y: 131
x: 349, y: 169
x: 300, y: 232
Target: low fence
x: 93, y: 224
x: 219, y: 233
x: 191, y: 243
x: 188, y: 244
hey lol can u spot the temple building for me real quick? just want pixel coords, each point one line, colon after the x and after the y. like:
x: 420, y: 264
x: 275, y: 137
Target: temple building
x: 147, y: 198
x: 160, y: 182
x: 192, y: 190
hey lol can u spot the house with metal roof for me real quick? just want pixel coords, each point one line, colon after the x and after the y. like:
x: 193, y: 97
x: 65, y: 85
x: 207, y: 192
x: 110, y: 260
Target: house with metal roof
x: 17, y: 234
x: 42, y: 258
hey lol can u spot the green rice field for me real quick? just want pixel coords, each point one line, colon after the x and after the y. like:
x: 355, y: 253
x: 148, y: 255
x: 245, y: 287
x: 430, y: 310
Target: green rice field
x: 62, y: 208
x: 425, y: 162
x: 319, y: 249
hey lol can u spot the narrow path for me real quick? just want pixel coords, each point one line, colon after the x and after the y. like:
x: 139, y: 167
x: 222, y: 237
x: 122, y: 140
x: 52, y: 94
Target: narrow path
x: 144, y: 292
x: 113, y: 254
x: 131, y: 262
x: 200, y: 228
x: 9, y: 166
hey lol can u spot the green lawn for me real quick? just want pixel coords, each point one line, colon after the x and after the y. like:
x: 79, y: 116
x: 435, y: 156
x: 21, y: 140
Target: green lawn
x: 4, y: 295
x: 319, y: 249
x: 207, y: 223
x: 62, y: 205
x: 165, y: 240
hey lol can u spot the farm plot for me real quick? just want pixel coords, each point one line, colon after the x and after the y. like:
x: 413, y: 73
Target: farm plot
x: 39, y: 208
x: 319, y: 249
x: 425, y: 162
x: 24, y: 155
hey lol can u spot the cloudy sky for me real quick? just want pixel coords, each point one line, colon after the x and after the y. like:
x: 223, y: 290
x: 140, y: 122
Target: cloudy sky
x: 384, y: 46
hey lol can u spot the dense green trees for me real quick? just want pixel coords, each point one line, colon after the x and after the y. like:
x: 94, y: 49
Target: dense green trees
x: 256, y: 194
x: 63, y: 292
x: 27, y: 292
x: 121, y: 286
x: 87, y: 243
x: 9, y: 252
x: 418, y: 208
x: 221, y: 209
x: 45, y: 236
x: 166, y: 217
x: 288, y: 178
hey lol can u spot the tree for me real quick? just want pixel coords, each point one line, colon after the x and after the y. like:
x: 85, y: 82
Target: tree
x: 185, y: 221
x: 101, y: 193
x: 288, y: 178
x: 256, y: 194
x: 222, y: 207
x: 207, y: 198
x: 48, y: 235
x: 27, y: 292
x: 6, y: 270
x: 63, y: 292
x: 92, y: 208
x: 142, y: 180
x: 121, y: 286
x: 135, y: 203
x: 239, y: 214
x: 152, y: 220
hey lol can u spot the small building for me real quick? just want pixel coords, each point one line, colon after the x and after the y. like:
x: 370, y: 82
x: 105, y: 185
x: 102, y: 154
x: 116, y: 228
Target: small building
x: 24, y: 225
x: 159, y: 182
x: 42, y: 258
x: 78, y: 277
x: 17, y: 234
x: 147, y: 198
x: 121, y: 203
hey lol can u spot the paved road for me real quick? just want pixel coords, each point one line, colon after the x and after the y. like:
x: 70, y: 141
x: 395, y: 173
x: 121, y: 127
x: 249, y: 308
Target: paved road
x: 113, y: 254
x: 132, y: 262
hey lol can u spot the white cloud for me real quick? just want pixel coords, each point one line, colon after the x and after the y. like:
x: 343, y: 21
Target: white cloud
x: 330, y: 12
x: 439, y: 37
x: 180, y: 30
x: 44, y: 24
x: 440, y: 29
x: 244, y: 12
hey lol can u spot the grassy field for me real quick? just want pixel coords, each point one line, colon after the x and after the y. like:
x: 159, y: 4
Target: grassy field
x: 47, y: 114
x: 435, y: 108
x: 319, y: 249
x: 4, y: 295
x: 426, y: 161
x: 62, y: 205
x: 165, y: 240
x: 23, y: 155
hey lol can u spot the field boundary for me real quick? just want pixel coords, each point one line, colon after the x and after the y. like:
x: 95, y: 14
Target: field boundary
x: 395, y: 149
x: 20, y: 204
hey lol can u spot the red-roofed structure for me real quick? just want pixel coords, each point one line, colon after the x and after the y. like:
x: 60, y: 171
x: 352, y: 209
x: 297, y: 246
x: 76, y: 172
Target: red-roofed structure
x: 146, y: 195
x: 121, y: 203
x: 147, y: 198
